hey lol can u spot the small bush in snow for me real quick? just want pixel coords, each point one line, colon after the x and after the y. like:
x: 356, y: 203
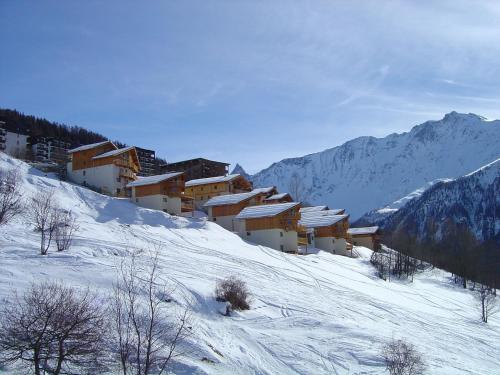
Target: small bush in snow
x: 234, y: 291
x: 486, y: 297
x: 65, y: 229
x: 10, y: 196
x: 402, y: 358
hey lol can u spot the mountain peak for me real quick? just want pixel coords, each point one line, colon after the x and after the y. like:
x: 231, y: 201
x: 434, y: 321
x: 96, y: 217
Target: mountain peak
x: 454, y: 116
x: 238, y: 169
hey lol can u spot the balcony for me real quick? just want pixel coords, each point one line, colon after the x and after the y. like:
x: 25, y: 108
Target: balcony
x: 127, y: 173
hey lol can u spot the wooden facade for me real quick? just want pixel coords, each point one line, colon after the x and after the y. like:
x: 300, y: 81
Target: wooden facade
x: 206, y: 191
x: 338, y: 230
x: 285, y: 199
x: 127, y: 159
x: 173, y: 187
x: 287, y: 220
x: 83, y: 159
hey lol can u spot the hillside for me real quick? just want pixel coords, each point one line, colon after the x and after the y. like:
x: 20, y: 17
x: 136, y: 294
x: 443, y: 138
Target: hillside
x: 308, y: 314
x: 368, y: 173
x: 472, y: 200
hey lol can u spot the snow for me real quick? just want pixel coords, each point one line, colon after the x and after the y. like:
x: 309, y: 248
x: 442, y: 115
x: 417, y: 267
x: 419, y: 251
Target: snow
x: 333, y: 212
x: 276, y: 196
x: 308, y: 313
x: 150, y: 180
x: 313, y: 208
x: 211, y: 180
x: 368, y: 173
x: 227, y: 199
x: 264, y: 189
x: 265, y: 210
x: 365, y: 230
x: 114, y: 152
x: 311, y: 221
x: 88, y: 147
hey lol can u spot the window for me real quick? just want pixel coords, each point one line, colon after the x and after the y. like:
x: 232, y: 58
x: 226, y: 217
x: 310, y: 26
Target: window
x: 137, y: 200
x: 215, y: 219
x: 118, y: 179
x: 215, y: 187
x: 248, y: 233
x: 165, y: 200
x: 281, y: 234
x: 84, y: 173
x: 282, y: 248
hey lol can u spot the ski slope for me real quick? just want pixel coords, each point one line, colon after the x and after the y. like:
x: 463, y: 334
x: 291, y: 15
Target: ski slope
x: 315, y: 314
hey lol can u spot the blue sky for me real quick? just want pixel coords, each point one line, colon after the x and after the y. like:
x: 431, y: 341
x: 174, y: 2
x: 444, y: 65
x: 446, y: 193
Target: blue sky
x: 248, y: 81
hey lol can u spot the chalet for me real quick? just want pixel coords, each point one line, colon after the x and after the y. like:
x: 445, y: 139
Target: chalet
x: 162, y: 192
x: 224, y: 208
x: 272, y: 225
x: 278, y: 198
x: 325, y: 232
x: 368, y: 237
x: 103, y: 167
x: 203, y: 189
x: 197, y: 168
x: 325, y: 212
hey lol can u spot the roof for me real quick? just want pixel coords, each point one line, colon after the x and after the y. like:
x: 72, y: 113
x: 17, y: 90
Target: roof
x: 223, y: 200
x: 114, y: 152
x: 264, y: 189
x: 322, y: 213
x: 365, y: 230
x: 277, y: 196
x: 197, y: 159
x: 88, y: 147
x: 150, y: 180
x: 314, y: 208
x: 321, y: 221
x: 266, y: 210
x: 211, y: 180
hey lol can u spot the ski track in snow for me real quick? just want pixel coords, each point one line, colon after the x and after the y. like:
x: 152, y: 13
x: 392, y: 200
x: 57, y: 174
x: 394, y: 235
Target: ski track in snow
x: 313, y: 314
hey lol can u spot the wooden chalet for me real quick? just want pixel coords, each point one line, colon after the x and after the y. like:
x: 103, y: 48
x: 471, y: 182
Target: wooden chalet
x: 278, y: 198
x: 272, y: 225
x: 325, y: 231
x: 202, y: 190
x: 104, y: 167
x: 368, y: 237
x: 161, y: 192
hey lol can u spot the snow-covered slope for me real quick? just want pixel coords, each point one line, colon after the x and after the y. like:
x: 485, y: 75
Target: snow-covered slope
x: 473, y: 200
x: 309, y: 314
x: 368, y: 173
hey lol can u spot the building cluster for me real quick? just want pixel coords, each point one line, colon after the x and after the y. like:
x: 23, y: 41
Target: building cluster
x: 261, y: 215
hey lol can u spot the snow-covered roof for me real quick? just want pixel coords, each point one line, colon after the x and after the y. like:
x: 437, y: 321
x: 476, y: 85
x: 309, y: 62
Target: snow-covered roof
x: 321, y: 221
x: 264, y: 189
x: 211, y: 180
x: 365, y: 230
x: 113, y: 152
x: 276, y: 196
x: 88, y: 147
x: 223, y: 200
x: 314, y: 208
x: 266, y: 210
x: 333, y: 212
x: 150, y: 180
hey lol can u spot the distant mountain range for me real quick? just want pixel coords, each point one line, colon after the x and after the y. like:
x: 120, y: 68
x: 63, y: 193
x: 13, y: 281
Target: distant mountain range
x: 369, y: 173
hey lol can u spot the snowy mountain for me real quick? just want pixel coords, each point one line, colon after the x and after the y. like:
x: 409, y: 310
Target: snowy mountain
x: 473, y: 200
x: 368, y: 173
x: 315, y: 314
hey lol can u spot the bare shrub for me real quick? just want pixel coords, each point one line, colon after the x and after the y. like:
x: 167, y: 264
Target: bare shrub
x: 402, y: 358
x: 486, y: 297
x: 234, y: 291
x: 44, y: 215
x: 147, y: 334
x: 11, y: 203
x: 65, y: 229
x: 54, y: 329
x: 296, y: 188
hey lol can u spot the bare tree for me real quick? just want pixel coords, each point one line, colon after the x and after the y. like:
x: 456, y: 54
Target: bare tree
x: 146, y: 332
x: 44, y: 215
x: 10, y: 196
x: 402, y: 358
x: 54, y: 329
x: 65, y: 229
x: 296, y: 188
x: 487, y: 302
x: 234, y: 291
